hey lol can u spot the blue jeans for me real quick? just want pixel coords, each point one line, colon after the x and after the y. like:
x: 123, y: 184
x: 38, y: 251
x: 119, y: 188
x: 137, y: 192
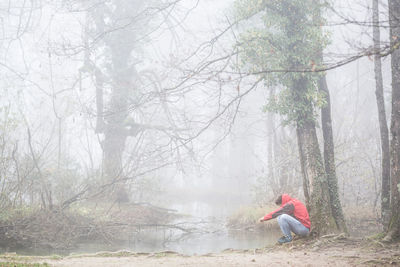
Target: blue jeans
x: 289, y: 224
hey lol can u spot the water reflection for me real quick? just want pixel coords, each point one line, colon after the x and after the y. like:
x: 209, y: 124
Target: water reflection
x: 153, y: 241
x: 212, y: 243
x: 208, y: 234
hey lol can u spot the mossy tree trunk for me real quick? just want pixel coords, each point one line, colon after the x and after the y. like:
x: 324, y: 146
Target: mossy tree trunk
x: 290, y: 41
x: 315, y: 183
x: 315, y: 178
x: 393, y: 231
x: 329, y: 157
x: 327, y: 132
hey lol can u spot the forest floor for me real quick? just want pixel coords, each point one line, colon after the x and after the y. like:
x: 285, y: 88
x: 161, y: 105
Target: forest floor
x: 326, y: 251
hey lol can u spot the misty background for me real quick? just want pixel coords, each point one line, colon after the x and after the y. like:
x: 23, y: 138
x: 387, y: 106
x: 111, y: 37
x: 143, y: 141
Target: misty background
x: 197, y: 137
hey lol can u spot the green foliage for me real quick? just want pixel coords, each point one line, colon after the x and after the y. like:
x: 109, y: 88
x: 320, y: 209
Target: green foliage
x: 282, y: 43
x: 294, y: 106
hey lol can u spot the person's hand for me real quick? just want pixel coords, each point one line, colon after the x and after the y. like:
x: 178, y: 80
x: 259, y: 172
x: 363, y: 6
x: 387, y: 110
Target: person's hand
x: 261, y: 219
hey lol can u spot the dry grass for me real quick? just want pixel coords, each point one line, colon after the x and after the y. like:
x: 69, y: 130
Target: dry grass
x: 247, y: 217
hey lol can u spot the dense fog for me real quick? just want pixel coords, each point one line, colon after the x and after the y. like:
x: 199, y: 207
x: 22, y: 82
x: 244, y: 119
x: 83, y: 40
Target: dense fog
x: 162, y: 114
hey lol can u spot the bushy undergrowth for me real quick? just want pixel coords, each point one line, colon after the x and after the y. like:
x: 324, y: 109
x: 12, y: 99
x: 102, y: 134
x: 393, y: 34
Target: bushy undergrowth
x: 44, y: 228
x: 64, y: 229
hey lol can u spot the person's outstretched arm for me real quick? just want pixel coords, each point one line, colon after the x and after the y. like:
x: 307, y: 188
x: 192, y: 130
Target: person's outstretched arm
x: 288, y: 208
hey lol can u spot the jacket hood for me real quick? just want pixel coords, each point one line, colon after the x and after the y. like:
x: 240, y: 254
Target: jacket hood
x: 285, y: 199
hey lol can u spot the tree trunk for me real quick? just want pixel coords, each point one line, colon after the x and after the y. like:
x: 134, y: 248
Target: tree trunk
x: 394, y: 225
x: 329, y: 152
x: 112, y: 115
x: 380, y: 100
x: 271, y: 146
x: 116, y: 132
x: 117, y: 112
x: 113, y: 148
x: 329, y: 158
x: 315, y: 183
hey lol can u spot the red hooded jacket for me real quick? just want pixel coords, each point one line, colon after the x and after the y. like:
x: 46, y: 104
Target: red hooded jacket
x: 293, y: 207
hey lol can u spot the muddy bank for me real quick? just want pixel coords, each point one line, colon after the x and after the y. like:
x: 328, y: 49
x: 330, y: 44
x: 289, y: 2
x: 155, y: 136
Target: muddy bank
x: 333, y: 251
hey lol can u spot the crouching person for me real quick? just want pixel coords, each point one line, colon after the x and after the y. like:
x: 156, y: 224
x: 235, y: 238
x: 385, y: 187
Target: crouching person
x: 292, y: 217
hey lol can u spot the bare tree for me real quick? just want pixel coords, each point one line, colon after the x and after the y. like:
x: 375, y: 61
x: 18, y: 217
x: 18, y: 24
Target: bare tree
x: 385, y: 164
x: 394, y: 227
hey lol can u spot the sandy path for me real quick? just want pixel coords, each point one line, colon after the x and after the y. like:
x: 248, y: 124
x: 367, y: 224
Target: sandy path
x: 226, y: 259
x: 317, y: 253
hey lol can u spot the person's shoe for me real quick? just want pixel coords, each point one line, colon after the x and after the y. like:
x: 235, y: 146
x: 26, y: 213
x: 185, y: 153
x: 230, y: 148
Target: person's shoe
x: 285, y: 239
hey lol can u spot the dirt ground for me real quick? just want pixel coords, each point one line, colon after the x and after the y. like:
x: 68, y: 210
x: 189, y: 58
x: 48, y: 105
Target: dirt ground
x: 329, y: 251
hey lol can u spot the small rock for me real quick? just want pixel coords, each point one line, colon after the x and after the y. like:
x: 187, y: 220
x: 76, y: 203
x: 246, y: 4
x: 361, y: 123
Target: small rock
x: 253, y: 260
